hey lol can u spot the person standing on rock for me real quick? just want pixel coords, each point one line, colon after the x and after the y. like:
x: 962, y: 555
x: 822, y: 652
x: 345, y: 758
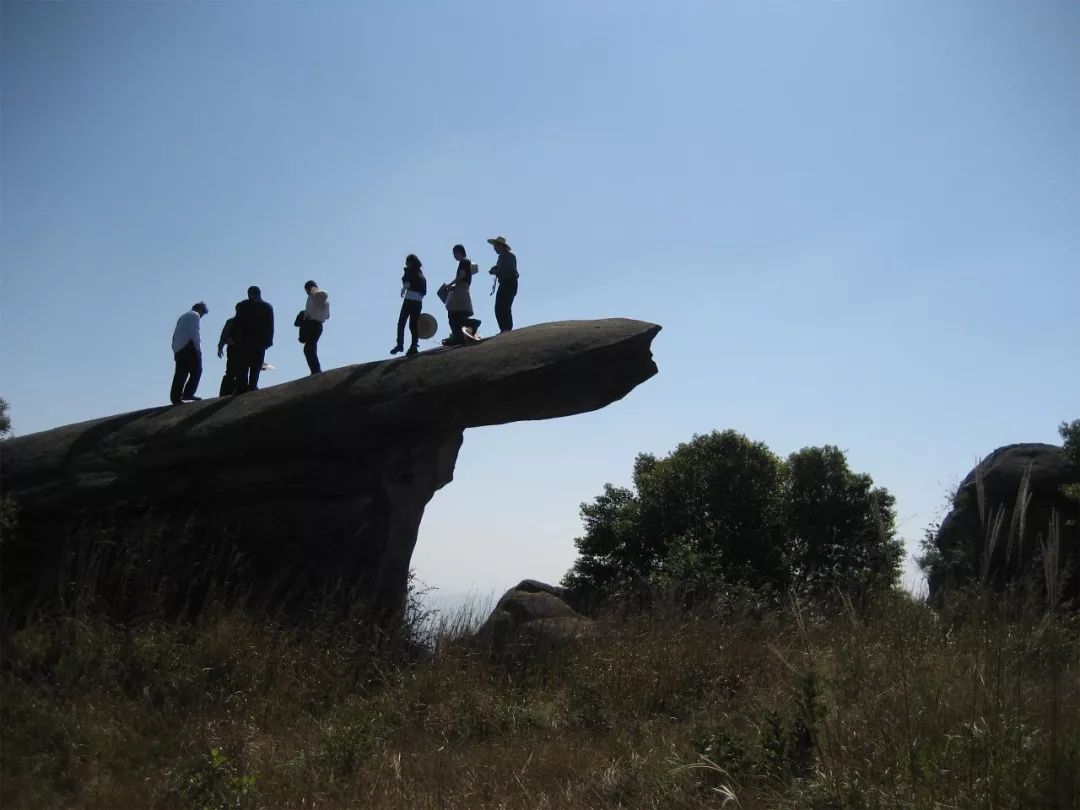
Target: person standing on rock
x: 255, y: 321
x: 459, y: 308
x: 235, y: 378
x: 316, y: 312
x: 413, y: 290
x: 506, y: 276
x: 187, y: 352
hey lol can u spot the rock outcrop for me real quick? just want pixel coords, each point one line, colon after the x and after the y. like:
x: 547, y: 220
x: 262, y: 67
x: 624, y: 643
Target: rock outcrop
x: 533, y: 612
x: 965, y: 534
x: 303, y: 487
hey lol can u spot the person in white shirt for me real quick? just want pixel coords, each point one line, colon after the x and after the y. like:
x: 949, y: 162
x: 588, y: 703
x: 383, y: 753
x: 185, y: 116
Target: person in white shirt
x: 187, y: 351
x: 316, y: 313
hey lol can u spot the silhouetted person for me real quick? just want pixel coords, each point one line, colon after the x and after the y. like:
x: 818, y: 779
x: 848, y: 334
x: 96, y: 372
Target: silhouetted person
x: 316, y: 313
x: 459, y: 308
x: 187, y: 351
x: 235, y: 379
x: 255, y: 319
x: 413, y: 290
x: 506, y: 274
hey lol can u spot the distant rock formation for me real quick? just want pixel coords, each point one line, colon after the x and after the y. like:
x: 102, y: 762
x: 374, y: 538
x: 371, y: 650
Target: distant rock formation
x: 307, y: 486
x: 533, y: 612
x: 962, y: 539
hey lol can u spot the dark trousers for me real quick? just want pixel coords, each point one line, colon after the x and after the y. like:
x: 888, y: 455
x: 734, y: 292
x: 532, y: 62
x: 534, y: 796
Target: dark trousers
x: 235, y: 379
x: 410, y: 311
x: 504, y: 300
x: 457, y: 321
x: 251, y: 364
x: 312, y: 333
x: 185, y: 379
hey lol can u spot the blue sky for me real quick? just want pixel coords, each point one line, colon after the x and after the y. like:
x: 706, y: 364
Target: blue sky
x: 858, y: 222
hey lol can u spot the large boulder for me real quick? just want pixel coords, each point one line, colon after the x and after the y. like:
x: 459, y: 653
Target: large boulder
x: 533, y: 612
x: 958, y: 556
x: 299, y: 489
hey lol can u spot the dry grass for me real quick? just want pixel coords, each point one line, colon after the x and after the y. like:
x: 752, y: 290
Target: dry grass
x: 898, y: 706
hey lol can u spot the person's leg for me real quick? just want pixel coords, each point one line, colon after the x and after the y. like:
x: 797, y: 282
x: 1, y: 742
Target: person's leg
x: 457, y: 321
x: 403, y: 317
x: 194, y: 373
x: 235, y: 375
x: 414, y: 323
x: 255, y: 363
x: 311, y: 348
x: 179, y: 377
x: 504, y: 300
x: 235, y: 370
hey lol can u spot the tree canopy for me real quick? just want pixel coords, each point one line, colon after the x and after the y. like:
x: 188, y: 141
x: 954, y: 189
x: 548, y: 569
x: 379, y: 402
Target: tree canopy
x: 722, y: 509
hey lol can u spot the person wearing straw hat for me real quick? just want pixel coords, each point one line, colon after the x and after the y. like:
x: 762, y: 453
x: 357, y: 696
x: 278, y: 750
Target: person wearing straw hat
x: 413, y: 290
x: 506, y: 276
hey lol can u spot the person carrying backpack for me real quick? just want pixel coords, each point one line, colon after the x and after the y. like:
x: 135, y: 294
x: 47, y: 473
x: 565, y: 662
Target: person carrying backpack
x: 413, y: 290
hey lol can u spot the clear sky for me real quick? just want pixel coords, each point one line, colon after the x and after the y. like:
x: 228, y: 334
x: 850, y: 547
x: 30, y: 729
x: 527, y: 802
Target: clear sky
x: 857, y: 222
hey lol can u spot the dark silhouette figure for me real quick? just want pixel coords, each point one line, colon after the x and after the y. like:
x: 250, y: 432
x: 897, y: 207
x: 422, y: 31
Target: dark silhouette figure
x: 187, y: 352
x: 506, y: 275
x: 235, y: 379
x: 459, y: 308
x: 316, y: 312
x: 413, y: 290
x: 255, y: 320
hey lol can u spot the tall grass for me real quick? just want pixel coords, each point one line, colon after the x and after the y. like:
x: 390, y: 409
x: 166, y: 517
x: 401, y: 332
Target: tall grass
x: 884, y: 703
x: 894, y: 706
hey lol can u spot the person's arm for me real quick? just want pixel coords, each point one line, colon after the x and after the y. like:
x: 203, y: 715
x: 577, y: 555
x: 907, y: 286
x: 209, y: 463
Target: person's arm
x: 224, y: 338
x: 269, y: 326
x: 195, y: 334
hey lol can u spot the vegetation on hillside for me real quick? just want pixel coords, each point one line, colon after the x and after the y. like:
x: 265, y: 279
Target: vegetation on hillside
x: 1070, y: 437
x: 892, y: 706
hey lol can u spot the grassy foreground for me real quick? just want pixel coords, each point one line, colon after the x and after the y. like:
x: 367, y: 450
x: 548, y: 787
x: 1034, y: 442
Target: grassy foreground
x: 897, y: 706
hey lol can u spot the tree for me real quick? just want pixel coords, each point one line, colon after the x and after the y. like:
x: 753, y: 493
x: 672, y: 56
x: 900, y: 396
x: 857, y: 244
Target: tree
x: 722, y: 509
x: 718, y: 498
x: 841, y: 527
x: 5, y: 419
x: 7, y: 505
x: 1070, y: 438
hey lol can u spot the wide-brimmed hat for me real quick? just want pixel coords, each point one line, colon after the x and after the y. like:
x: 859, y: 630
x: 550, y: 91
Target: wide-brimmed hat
x: 426, y: 326
x: 499, y: 240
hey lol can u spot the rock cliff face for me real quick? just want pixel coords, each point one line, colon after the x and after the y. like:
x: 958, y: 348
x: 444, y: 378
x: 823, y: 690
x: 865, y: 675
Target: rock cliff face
x: 295, y: 489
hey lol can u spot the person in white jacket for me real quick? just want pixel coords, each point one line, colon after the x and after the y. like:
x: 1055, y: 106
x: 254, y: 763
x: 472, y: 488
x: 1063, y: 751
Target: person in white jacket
x: 187, y: 352
x: 316, y: 313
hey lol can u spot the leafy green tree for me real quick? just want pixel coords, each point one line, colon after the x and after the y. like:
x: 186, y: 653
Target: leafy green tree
x: 723, y: 510
x: 842, y: 529
x: 718, y: 500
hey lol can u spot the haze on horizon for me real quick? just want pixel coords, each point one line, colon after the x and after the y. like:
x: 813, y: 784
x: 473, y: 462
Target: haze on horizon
x: 859, y: 224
